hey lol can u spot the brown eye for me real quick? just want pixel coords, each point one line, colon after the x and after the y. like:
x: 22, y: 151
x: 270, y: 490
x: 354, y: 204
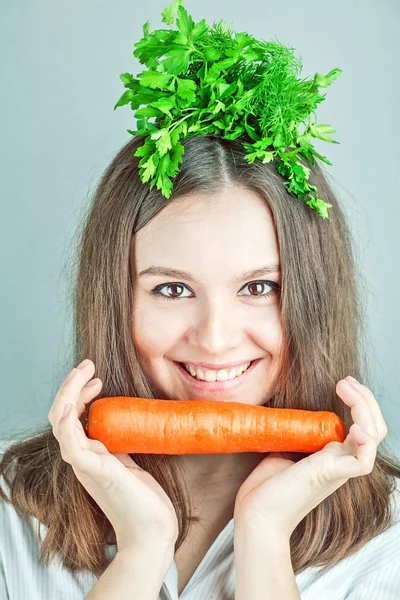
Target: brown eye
x: 176, y: 294
x: 256, y: 288
x: 175, y: 285
x: 253, y: 286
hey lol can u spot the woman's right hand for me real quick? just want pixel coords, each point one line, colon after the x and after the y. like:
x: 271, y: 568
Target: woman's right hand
x: 138, y: 508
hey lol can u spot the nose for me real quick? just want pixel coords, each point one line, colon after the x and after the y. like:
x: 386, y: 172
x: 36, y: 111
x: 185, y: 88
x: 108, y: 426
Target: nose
x: 217, y: 330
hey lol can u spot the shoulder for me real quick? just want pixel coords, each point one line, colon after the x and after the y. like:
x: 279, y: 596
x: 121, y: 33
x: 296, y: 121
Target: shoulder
x: 372, y: 571
x: 22, y: 570
x: 382, y: 552
x: 13, y: 529
x: 376, y: 566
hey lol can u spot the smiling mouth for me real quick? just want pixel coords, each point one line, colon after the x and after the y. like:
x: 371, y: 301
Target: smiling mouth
x: 217, y: 386
x: 183, y: 365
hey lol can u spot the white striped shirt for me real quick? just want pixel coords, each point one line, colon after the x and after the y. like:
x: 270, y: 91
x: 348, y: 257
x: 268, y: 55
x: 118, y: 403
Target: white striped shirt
x: 372, y: 572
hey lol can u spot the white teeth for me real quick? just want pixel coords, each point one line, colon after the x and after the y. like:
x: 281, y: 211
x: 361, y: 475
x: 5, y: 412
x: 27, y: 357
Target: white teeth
x: 222, y: 375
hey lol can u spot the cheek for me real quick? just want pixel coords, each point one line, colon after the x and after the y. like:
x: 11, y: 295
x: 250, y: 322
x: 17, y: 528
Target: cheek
x: 268, y: 332
x: 153, y: 332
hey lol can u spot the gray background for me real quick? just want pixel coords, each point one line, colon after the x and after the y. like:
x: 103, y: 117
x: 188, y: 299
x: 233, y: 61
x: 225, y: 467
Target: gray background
x: 59, y: 83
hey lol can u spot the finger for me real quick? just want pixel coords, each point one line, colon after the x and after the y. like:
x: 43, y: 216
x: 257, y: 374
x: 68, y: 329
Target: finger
x: 362, y: 462
x: 366, y: 447
x: 374, y: 408
x: 77, y: 392
x: 70, y: 438
x: 69, y: 384
x: 82, y: 453
x: 360, y: 409
x: 70, y: 390
x: 88, y: 392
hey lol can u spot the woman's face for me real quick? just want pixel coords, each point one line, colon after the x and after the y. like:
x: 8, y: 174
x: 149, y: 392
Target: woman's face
x: 217, y: 313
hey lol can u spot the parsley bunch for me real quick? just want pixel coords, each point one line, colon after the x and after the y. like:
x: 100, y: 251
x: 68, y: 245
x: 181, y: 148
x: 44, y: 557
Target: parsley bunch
x: 211, y: 80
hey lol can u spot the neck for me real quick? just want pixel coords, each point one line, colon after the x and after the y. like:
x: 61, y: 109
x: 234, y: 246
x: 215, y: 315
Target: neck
x: 216, y: 478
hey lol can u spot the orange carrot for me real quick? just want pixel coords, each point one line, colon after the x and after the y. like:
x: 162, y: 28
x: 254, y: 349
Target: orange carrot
x: 150, y: 426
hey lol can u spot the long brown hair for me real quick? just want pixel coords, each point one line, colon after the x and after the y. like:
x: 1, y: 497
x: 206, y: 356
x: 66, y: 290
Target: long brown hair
x: 324, y: 340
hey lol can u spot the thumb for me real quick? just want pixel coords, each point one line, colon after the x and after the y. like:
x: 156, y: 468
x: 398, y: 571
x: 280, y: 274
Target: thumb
x: 127, y: 460
x: 272, y: 464
x: 268, y: 467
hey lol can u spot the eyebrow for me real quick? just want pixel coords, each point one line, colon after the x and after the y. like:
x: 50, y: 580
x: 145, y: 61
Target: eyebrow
x: 177, y: 273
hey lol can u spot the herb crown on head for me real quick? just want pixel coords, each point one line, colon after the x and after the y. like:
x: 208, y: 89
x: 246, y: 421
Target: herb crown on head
x: 212, y: 80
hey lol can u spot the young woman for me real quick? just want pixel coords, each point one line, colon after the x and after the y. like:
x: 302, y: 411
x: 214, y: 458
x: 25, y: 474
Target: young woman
x: 232, y: 275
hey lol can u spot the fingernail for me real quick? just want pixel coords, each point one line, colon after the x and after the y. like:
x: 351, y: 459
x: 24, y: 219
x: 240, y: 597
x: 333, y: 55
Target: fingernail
x: 67, y: 408
x: 352, y: 379
x: 92, y: 382
x: 83, y: 363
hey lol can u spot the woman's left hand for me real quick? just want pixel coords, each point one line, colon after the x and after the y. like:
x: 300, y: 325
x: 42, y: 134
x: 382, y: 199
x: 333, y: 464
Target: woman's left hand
x: 279, y: 493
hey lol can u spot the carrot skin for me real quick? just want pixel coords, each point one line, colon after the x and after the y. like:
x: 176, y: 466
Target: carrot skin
x: 151, y: 426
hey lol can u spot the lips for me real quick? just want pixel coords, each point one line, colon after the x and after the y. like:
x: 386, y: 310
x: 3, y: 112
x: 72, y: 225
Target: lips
x: 216, y: 386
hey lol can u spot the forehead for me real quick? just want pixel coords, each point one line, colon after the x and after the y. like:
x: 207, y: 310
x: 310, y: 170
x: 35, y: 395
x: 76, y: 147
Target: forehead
x: 232, y: 221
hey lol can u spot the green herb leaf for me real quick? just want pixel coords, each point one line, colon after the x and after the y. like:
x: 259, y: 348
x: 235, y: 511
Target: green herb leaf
x: 204, y: 79
x: 168, y: 14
